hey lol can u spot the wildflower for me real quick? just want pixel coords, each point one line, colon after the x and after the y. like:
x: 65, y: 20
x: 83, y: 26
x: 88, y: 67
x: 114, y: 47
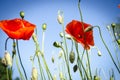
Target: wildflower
x: 8, y: 59
x: 72, y: 57
x: 34, y: 74
x: 76, y: 30
x: 22, y: 14
x: 17, y: 28
x: 118, y: 5
x: 44, y: 26
x: 60, y: 17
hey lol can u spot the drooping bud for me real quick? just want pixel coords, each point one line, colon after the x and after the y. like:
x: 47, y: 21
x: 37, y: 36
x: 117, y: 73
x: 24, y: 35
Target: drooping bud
x: 89, y: 28
x: 22, y: 14
x: 113, y: 25
x: 44, y: 26
x: 72, y: 57
x: 57, y: 44
x: 75, y: 68
x: 8, y: 59
x: 60, y: 17
x: 34, y: 74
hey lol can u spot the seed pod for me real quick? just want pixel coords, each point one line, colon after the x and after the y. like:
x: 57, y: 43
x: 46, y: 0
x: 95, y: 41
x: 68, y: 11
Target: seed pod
x: 72, y: 57
x: 75, y: 68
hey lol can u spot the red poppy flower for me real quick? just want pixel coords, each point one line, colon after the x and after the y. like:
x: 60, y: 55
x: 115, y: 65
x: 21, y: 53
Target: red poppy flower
x: 76, y: 30
x: 118, y: 5
x: 17, y: 28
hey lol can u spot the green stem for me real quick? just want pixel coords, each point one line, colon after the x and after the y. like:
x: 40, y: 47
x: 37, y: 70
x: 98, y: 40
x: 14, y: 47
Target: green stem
x: 7, y: 73
x: 21, y: 60
x: 108, y: 49
x: 79, y: 60
x: 41, y: 70
x: 66, y: 57
x: 89, y: 65
x: 6, y: 43
x: 21, y: 75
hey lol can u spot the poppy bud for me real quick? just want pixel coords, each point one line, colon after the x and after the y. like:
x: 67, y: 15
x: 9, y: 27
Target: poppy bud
x: 72, y: 57
x: 75, y: 68
x: 22, y: 14
x: 8, y: 59
x: 118, y: 41
x: 99, y: 53
x: 34, y: 74
x: 60, y: 17
x: 113, y: 25
x: 44, y: 26
x: 89, y: 28
x: 57, y: 44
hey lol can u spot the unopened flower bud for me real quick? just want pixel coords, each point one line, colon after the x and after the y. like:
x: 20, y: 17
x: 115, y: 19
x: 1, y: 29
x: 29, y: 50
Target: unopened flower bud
x: 22, y: 14
x: 57, y: 44
x: 113, y: 25
x: 44, y: 26
x: 8, y: 59
x: 72, y: 57
x: 89, y: 28
x: 34, y: 74
x: 111, y: 78
x: 108, y: 27
x: 99, y: 53
x: 60, y: 17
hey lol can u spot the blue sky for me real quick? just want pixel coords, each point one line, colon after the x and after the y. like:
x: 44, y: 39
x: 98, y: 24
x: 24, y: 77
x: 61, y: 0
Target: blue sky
x: 95, y: 12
